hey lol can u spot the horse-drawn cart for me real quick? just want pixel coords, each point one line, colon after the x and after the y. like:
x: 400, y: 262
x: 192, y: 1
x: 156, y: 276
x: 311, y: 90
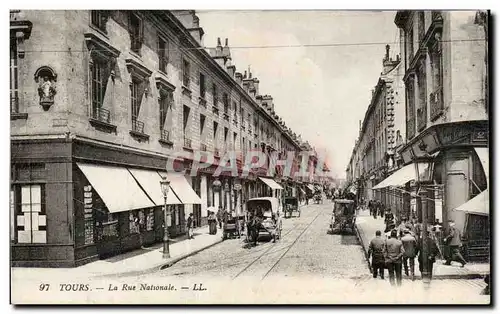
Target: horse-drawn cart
x: 344, y: 216
x: 264, y: 219
x: 291, y: 205
x: 233, y: 226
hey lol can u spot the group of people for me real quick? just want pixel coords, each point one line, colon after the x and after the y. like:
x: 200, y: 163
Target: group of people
x: 376, y: 208
x: 400, y: 247
x: 215, y: 219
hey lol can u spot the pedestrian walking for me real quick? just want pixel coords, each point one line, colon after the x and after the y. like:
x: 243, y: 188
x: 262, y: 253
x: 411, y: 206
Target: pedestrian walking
x: 393, y: 253
x: 212, y: 223
x: 219, y: 217
x: 370, y: 207
x: 381, y: 209
x: 431, y: 254
x: 454, y: 243
x: 190, y: 224
x: 411, y: 249
x: 374, y: 210
x: 376, y: 251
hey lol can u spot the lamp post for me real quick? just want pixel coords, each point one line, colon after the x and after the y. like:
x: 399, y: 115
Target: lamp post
x: 165, y: 187
x: 424, y: 169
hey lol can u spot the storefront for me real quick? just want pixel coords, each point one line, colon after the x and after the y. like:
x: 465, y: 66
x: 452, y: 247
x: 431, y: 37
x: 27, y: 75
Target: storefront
x: 73, y: 202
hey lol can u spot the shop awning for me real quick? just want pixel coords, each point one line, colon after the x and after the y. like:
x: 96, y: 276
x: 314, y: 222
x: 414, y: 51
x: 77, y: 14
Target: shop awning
x: 483, y: 154
x: 271, y: 183
x: 480, y: 204
x: 181, y: 188
x: 116, y: 186
x: 401, y: 176
x: 149, y: 180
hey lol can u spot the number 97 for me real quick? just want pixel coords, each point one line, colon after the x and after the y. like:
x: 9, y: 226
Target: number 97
x: 44, y: 287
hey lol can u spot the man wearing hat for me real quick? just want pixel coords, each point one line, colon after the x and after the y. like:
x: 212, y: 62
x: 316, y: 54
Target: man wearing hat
x: 454, y: 243
x: 394, y: 252
x: 410, y: 246
x: 190, y: 223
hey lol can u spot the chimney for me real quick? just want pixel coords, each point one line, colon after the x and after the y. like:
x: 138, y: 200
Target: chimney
x: 225, y: 50
x: 218, y: 57
x: 388, y: 64
x: 256, y: 85
x: 231, y: 69
x: 387, y: 49
x: 239, y: 77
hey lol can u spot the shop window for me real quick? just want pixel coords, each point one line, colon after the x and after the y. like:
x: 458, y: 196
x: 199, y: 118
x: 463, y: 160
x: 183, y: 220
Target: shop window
x: 109, y: 227
x: 133, y: 222
x: 150, y: 220
x: 31, y: 220
x: 14, y: 77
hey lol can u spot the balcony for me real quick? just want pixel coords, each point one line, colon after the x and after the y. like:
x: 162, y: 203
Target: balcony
x: 410, y: 128
x: 235, y: 121
x: 215, y: 110
x: 138, y: 130
x: 188, y: 144
x: 165, y: 138
x: 203, y: 147
x: 436, y: 103
x: 101, y: 119
x: 226, y: 116
x: 202, y: 101
x: 421, y: 119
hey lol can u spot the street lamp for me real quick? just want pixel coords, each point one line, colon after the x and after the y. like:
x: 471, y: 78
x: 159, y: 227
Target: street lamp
x: 424, y: 169
x: 165, y: 187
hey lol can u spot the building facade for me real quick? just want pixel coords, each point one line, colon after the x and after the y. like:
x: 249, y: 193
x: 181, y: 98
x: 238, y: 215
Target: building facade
x: 100, y: 102
x: 446, y: 80
x: 374, y: 155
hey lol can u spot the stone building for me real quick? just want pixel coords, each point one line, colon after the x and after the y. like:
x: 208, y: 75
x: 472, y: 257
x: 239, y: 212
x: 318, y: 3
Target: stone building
x: 374, y: 153
x: 447, y: 129
x: 100, y: 102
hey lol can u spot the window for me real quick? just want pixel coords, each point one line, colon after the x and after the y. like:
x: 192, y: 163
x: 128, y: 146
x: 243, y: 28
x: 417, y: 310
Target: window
x: 89, y: 230
x: 137, y: 221
x: 235, y: 136
x: 108, y: 227
x: 410, y: 102
x: 436, y: 96
x: 214, y: 94
x: 150, y: 220
x: 166, y: 100
x: 185, y: 122
x: 225, y: 101
x: 14, y: 77
x: 226, y: 130
x: 136, y: 33
x: 99, y: 73
x: 99, y: 18
x: 202, y: 85
x: 186, y: 72
x: 202, y: 124
x: 163, y: 54
x: 30, y: 213
x: 216, y: 126
x: 421, y: 25
x: 135, y: 99
x: 422, y: 97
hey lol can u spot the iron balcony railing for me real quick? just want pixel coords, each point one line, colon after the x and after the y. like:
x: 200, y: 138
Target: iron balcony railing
x: 215, y: 110
x: 226, y: 116
x: 203, y: 147
x: 137, y: 126
x: 101, y: 114
x: 421, y: 119
x: 165, y: 135
x: 14, y: 104
x: 436, y: 102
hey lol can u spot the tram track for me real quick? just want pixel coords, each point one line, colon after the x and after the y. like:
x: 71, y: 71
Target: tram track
x: 288, y: 247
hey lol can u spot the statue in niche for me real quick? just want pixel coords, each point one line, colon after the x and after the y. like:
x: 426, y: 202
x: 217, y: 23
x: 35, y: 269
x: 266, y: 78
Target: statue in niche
x: 46, y: 79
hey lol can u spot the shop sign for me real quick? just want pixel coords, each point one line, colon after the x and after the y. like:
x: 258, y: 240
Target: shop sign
x: 454, y: 134
x: 87, y: 201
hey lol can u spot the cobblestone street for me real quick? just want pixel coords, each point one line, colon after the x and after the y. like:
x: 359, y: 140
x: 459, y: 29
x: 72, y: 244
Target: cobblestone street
x: 305, y: 250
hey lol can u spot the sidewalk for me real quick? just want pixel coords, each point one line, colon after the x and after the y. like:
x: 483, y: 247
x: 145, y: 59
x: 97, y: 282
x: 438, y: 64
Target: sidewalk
x: 132, y: 263
x: 366, y: 226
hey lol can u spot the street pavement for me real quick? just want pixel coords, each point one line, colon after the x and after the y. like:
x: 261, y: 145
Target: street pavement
x: 307, y: 266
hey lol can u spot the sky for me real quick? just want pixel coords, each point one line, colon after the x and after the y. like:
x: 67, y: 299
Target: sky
x: 320, y: 92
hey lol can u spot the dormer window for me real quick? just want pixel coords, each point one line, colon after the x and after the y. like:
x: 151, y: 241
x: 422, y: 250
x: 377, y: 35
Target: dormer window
x: 98, y: 19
